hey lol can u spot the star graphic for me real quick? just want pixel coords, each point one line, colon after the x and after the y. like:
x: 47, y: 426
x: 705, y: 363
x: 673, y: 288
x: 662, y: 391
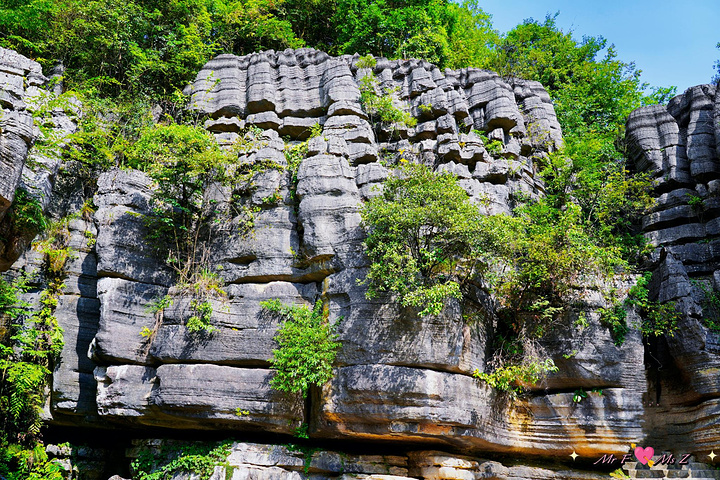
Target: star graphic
x: 574, y: 455
x: 712, y: 456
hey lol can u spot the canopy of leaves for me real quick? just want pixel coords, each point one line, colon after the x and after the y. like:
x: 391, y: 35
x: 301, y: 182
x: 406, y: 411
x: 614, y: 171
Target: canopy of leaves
x: 419, y: 229
x: 156, y: 47
x: 592, y: 97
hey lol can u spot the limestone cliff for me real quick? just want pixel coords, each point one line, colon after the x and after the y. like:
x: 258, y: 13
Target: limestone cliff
x: 399, y: 380
x: 678, y: 145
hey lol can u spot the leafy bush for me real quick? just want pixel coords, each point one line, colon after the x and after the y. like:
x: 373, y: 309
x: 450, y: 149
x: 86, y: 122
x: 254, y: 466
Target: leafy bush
x: 381, y: 107
x: 307, y: 346
x: 710, y: 305
x: 28, y: 463
x: 512, y: 378
x: 26, y: 214
x: 421, y: 233
x: 184, y: 161
x: 427, y: 243
x: 200, y: 321
x: 615, y: 318
x: 656, y: 318
x: 198, y: 458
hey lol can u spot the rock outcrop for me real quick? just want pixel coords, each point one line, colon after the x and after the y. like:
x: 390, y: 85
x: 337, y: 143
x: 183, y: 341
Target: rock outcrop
x: 679, y: 145
x: 399, y: 380
x: 19, y: 80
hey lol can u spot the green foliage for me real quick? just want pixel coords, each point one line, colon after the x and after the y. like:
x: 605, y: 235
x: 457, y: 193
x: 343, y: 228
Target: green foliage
x: 28, y: 463
x: 428, y: 243
x: 696, y: 202
x: 302, y: 431
x: 710, y: 305
x: 494, y: 147
x: 420, y: 231
x: 26, y: 360
x: 512, y: 378
x: 579, y: 395
x: 11, y: 307
x: 156, y: 48
x: 184, y: 161
x: 200, y: 320
x: 307, y: 453
x: 367, y: 61
x: 160, y: 304
x: 26, y: 214
x: 136, y: 45
x: 316, y: 130
x: 615, y: 318
x: 381, y: 107
x: 656, y: 318
x: 448, y: 34
x: 307, y: 346
x: 543, y: 252
x: 199, y: 458
x: 592, y: 98
x: 294, y: 154
x: 106, y: 128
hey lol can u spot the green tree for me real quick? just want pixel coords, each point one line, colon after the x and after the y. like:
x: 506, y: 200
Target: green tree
x: 592, y: 97
x: 184, y: 161
x: 421, y: 232
x: 427, y: 244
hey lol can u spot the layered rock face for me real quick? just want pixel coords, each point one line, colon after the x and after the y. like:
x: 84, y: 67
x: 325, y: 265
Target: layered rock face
x: 19, y: 79
x: 679, y: 147
x: 22, y: 93
x: 397, y: 378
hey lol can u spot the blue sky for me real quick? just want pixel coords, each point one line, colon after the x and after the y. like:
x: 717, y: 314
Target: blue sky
x: 672, y: 42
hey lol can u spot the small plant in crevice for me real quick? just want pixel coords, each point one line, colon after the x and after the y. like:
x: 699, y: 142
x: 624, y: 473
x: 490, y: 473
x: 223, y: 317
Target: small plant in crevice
x: 710, y: 304
x: 513, y: 378
x: 302, y: 431
x: 579, y: 395
x: 656, y: 319
x: 494, y: 147
x: 307, y: 453
x: 381, y: 107
x: 198, y: 459
x: 294, y: 155
x: 307, y: 346
x: 695, y: 201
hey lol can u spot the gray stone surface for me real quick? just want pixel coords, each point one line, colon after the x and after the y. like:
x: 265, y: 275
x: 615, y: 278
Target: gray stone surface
x: 18, y: 77
x: 195, y: 396
x: 679, y: 144
x: 398, y: 378
x: 377, y: 402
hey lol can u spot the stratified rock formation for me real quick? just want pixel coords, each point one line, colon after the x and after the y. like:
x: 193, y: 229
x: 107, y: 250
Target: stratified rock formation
x: 679, y: 145
x: 19, y: 79
x: 400, y: 380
